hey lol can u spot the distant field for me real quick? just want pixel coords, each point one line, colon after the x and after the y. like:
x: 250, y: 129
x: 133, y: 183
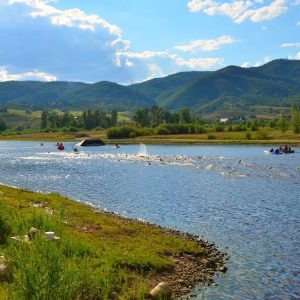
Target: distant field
x: 26, y: 119
x: 15, y: 118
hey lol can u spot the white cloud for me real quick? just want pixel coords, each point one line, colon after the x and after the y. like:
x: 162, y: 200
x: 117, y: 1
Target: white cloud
x: 245, y: 64
x: 275, y: 9
x: 200, y: 63
x: 76, y: 46
x: 191, y: 63
x: 286, y: 45
x: 70, y: 17
x: 234, y: 10
x: 240, y: 11
x: 143, y: 55
x: 298, y: 55
x: 265, y: 60
x: 33, y: 75
x: 197, y: 5
x: 205, y: 45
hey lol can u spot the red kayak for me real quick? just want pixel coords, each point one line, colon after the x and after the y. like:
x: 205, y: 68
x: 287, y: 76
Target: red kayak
x: 61, y: 147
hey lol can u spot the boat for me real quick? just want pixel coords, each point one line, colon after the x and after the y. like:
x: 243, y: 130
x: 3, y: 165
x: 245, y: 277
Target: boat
x: 281, y: 150
x: 90, y: 143
x: 288, y: 151
x: 61, y: 147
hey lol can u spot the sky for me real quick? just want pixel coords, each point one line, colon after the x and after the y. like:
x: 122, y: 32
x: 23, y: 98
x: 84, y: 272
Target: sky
x: 129, y: 41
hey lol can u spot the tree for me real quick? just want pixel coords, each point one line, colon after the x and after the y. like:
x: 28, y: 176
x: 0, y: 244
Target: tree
x: 113, y: 117
x: 2, y: 125
x: 295, y: 119
x: 283, y: 124
x: 141, y: 116
x: 44, y: 119
x: 185, y: 116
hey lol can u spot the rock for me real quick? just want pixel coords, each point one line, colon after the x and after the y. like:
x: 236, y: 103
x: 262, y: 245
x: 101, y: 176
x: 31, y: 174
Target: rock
x: 32, y: 232
x: 3, y: 271
x: 114, y: 296
x: 3, y: 267
x: 162, y: 290
x: 204, y: 261
x: 223, y: 269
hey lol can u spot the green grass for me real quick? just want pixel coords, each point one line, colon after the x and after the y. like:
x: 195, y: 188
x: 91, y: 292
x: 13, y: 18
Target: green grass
x: 98, y: 253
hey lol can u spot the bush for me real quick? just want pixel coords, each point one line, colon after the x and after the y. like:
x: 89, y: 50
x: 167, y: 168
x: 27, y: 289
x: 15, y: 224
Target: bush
x: 132, y: 135
x: 200, y: 129
x: 162, y: 130
x: 248, y: 136
x: 211, y: 137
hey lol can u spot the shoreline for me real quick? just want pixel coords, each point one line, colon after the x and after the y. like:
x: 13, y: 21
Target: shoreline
x: 158, y: 140
x: 195, y: 263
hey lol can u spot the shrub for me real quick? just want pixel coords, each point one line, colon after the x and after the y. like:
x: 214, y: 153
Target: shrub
x: 200, y: 129
x: 162, y: 130
x: 219, y: 128
x: 248, y: 136
x: 132, y: 134
x: 211, y: 137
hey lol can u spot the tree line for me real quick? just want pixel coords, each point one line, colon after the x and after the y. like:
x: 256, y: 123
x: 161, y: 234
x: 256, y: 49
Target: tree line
x: 163, y: 120
x: 88, y: 120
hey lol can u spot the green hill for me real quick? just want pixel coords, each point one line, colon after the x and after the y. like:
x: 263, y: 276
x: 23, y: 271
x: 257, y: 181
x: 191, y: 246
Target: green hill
x: 36, y: 95
x: 275, y: 84
x: 237, y: 86
x: 160, y: 88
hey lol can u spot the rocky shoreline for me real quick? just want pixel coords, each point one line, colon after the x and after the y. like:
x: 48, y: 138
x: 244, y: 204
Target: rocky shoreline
x: 190, y: 270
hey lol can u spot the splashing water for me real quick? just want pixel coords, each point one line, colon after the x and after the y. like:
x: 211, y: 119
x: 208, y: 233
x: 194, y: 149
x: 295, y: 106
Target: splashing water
x: 142, y: 150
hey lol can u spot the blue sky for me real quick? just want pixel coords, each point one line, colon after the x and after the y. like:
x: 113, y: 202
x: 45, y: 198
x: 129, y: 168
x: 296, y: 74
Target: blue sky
x: 129, y: 41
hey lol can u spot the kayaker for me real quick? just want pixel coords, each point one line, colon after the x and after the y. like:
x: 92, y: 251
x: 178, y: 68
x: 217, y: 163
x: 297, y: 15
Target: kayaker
x: 61, y: 147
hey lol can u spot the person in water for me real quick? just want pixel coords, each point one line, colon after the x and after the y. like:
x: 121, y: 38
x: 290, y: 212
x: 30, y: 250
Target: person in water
x: 117, y: 146
x: 75, y: 150
x: 61, y: 146
x: 271, y: 150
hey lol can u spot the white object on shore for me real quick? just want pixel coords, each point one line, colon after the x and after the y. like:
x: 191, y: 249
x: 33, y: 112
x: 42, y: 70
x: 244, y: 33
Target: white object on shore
x: 51, y: 236
x: 162, y: 290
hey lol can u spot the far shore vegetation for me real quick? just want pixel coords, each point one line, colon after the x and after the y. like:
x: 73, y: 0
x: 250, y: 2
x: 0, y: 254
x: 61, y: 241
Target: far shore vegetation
x: 96, y: 255
x: 151, y: 125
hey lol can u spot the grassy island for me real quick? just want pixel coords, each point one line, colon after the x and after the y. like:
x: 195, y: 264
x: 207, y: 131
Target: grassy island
x: 97, y: 255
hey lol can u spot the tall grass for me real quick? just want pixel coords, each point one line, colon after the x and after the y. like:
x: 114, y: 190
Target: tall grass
x: 98, y: 254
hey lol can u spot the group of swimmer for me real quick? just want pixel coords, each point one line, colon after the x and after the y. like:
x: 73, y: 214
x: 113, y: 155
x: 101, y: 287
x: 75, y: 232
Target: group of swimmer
x: 282, y: 149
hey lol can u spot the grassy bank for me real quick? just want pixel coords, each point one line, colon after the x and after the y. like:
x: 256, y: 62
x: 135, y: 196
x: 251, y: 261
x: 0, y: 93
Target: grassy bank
x: 98, y: 256
x: 264, y: 137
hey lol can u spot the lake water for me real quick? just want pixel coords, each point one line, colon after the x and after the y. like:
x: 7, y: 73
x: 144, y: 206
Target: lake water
x: 244, y: 200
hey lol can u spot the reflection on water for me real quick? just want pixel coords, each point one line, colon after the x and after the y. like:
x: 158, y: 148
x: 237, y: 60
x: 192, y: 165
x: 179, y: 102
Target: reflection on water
x: 236, y: 196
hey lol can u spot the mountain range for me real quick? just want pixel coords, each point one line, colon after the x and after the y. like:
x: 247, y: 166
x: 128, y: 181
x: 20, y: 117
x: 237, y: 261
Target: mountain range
x: 275, y: 84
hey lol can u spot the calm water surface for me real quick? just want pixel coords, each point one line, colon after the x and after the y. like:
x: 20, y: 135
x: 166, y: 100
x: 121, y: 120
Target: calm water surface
x: 239, y: 197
